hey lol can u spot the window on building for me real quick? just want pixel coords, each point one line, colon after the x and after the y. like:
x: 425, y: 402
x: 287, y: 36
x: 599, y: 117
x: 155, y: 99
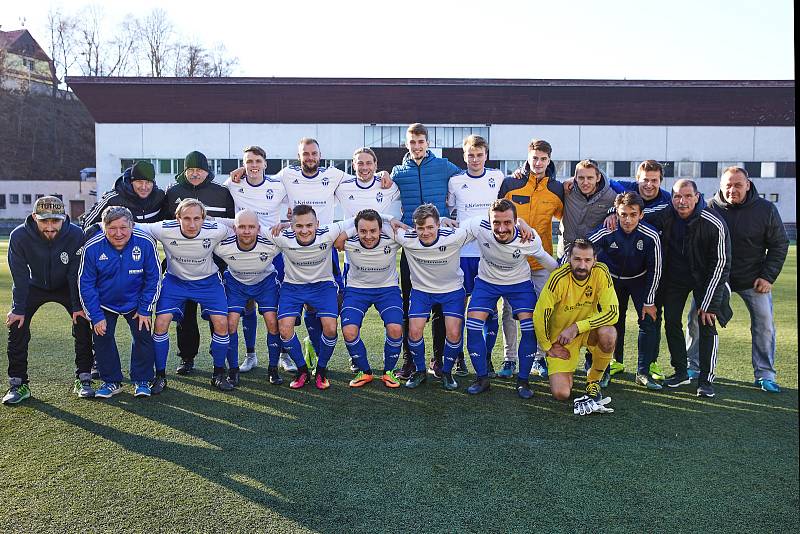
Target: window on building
x: 2, y: 202
x: 59, y: 196
x: 125, y: 163
x: 28, y: 64
x: 669, y: 168
x: 767, y: 169
x: 762, y: 195
x: 687, y: 169
x: 753, y: 168
x: 26, y: 198
x: 13, y: 198
x: 774, y: 197
x: 39, y: 195
x: 709, y: 169
x: 228, y: 165
x: 177, y: 166
x: 164, y: 166
x: 438, y: 136
x: 273, y: 166
x: 785, y: 169
x: 622, y: 169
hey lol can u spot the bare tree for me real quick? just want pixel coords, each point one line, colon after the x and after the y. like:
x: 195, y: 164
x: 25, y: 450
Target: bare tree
x: 125, y: 48
x: 62, y: 30
x: 157, y: 34
x: 191, y: 60
x: 221, y: 64
x: 91, y: 49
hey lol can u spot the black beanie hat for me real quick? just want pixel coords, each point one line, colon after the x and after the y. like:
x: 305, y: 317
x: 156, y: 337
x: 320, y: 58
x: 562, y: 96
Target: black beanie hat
x: 143, y: 170
x: 196, y: 160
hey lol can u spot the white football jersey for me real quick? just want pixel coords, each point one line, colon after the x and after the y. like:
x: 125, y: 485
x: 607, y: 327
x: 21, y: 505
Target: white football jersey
x: 317, y: 191
x: 187, y: 258
x: 435, y: 268
x: 354, y: 195
x: 371, y: 267
x: 305, y: 264
x: 505, y: 263
x: 248, y: 266
x: 471, y: 196
x: 268, y: 200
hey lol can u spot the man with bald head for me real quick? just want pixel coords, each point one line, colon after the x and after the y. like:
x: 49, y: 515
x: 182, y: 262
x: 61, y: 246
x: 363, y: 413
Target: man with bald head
x: 250, y: 275
x: 696, y: 251
x: 759, y: 246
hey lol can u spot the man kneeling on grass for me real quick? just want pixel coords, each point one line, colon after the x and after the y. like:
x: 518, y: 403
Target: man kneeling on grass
x: 578, y: 308
x: 120, y: 274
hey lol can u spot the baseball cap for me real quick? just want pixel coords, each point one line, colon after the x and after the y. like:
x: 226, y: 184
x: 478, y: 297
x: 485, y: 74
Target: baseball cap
x: 49, y: 208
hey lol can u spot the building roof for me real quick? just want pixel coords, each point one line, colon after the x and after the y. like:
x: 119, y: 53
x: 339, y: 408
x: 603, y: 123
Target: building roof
x: 437, y: 101
x: 21, y: 42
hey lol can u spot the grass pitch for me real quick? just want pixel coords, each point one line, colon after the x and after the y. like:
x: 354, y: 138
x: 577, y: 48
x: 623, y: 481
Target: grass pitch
x: 267, y: 458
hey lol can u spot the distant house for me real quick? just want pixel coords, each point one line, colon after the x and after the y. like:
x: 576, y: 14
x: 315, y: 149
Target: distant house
x: 24, y: 65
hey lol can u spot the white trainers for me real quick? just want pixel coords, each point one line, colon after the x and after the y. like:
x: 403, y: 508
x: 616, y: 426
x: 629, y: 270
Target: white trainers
x: 249, y: 362
x: 286, y: 363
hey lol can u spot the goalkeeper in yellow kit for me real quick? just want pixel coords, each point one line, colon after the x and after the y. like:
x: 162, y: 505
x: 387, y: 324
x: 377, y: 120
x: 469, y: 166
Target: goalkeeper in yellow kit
x: 578, y: 308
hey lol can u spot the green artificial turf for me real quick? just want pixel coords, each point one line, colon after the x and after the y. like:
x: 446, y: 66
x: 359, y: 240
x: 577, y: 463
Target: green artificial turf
x: 267, y: 458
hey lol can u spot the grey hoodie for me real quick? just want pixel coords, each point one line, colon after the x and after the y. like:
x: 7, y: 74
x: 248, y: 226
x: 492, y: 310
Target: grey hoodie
x: 581, y: 214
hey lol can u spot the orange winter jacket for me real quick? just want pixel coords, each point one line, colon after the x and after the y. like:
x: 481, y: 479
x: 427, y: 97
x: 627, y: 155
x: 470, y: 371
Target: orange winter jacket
x: 537, y: 203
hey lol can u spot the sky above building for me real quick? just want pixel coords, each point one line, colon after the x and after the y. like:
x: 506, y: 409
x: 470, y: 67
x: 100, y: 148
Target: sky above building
x: 614, y: 39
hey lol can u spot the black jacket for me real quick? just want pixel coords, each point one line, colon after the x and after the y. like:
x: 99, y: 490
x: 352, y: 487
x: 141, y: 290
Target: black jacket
x: 49, y: 265
x: 708, y: 244
x: 144, y: 210
x: 758, y: 239
x: 217, y: 198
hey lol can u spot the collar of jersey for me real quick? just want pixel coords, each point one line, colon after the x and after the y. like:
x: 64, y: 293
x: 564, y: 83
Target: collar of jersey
x: 310, y: 177
x: 307, y: 244
x: 259, y: 185
x: 481, y: 175
x: 186, y: 236
x: 255, y: 243
x: 365, y: 247
x: 438, y: 235
x: 358, y: 183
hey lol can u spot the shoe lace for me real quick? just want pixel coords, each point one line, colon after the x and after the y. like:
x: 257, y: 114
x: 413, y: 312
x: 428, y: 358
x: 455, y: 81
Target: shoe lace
x: 593, y: 389
x: 391, y: 375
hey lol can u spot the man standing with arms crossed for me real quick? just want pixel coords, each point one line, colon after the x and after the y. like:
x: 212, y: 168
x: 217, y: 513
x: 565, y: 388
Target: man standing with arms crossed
x: 758, y: 250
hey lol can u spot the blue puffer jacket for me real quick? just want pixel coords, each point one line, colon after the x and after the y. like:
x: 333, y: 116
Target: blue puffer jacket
x: 120, y: 281
x: 423, y: 183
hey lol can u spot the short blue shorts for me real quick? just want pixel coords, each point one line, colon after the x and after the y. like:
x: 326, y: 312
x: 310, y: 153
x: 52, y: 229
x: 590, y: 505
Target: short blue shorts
x: 208, y: 292
x: 387, y: 300
x: 264, y: 293
x: 521, y: 297
x: 322, y: 296
x: 452, y: 303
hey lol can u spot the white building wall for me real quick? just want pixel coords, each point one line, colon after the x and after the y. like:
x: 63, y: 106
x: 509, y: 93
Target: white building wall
x: 508, y: 142
x: 75, y: 193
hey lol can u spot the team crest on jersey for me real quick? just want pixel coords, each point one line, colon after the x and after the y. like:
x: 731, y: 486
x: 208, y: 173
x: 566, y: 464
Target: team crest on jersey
x: 64, y: 257
x: 241, y: 190
x: 516, y: 254
x: 465, y: 186
x: 270, y: 194
x: 263, y: 256
x: 485, y: 244
x: 136, y: 253
x: 589, y: 291
x: 295, y: 181
x: 379, y: 197
x: 387, y: 249
x: 442, y: 248
x: 614, y: 245
x: 323, y: 246
x: 325, y: 181
x: 102, y: 257
x: 351, y: 197
x: 491, y: 182
x: 639, y: 245
x: 206, y: 243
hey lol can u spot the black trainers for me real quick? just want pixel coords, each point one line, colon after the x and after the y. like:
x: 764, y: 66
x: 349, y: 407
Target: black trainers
x: 185, y: 368
x: 524, y: 389
x: 490, y: 372
x: 435, y: 369
x: 677, y: 380
x: 461, y: 367
x: 233, y: 376
x: 274, y: 378
x: 406, y: 371
x: 479, y: 386
x: 705, y: 390
x: 158, y: 385
x: 220, y: 381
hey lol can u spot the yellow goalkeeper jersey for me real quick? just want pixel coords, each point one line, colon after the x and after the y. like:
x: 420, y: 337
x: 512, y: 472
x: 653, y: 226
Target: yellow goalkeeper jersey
x: 590, y: 303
